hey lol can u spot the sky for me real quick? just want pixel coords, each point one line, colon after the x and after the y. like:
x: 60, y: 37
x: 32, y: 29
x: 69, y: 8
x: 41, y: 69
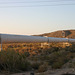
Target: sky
x: 33, y: 19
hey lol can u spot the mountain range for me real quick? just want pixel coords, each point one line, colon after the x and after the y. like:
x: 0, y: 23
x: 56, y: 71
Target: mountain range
x: 59, y: 34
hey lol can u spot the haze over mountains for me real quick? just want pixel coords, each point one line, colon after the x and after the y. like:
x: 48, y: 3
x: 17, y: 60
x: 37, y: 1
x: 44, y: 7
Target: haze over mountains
x: 68, y: 34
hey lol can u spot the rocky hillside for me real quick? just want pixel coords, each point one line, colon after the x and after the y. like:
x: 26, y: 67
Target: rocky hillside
x: 68, y: 34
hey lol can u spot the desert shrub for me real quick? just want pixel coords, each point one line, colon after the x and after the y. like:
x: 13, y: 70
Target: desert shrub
x: 58, y: 59
x: 51, y: 50
x: 57, y: 65
x: 13, y: 61
x: 27, y: 54
x: 43, y: 68
x: 36, y: 65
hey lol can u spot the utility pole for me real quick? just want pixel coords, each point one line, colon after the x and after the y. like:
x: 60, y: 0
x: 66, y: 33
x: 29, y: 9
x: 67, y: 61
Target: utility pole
x: 0, y: 42
x: 63, y: 36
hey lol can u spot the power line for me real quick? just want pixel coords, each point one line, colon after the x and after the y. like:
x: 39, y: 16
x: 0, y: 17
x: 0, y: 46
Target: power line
x: 35, y: 5
x: 34, y: 1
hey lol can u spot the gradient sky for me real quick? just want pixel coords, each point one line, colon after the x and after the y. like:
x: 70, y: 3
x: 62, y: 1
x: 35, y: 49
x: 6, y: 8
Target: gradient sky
x: 36, y: 20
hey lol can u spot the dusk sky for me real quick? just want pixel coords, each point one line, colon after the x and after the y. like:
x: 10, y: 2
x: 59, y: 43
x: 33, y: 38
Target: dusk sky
x: 34, y: 19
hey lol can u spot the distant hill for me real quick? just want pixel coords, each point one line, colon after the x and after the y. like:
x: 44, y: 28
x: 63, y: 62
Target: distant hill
x: 68, y: 34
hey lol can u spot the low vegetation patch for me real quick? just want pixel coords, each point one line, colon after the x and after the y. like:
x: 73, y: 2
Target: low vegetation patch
x: 13, y: 61
x: 54, y: 57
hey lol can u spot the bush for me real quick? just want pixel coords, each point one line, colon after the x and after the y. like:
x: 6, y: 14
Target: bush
x: 36, y: 65
x: 57, y: 65
x: 13, y: 61
x: 57, y: 59
x: 27, y: 54
x: 43, y: 68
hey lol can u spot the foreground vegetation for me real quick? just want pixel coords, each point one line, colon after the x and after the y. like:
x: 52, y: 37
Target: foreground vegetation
x: 52, y: 58
x: 13, y: 62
